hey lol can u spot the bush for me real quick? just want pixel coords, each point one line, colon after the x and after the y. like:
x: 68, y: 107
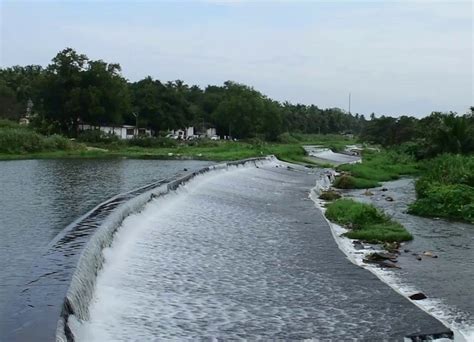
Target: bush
x: 9, y: 124
x: 329, y: 195
x: 151, y: 142
x: 19, y: 140
x: 96, y: 136
x: 203, y: 142
x: 287, y: 138
x: 446, y: 188
x: 56, y: 142
x: 455, y: 201
x: 349, y: 182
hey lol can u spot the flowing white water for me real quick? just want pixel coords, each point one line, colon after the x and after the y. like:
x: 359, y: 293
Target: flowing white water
x: 238, y: 253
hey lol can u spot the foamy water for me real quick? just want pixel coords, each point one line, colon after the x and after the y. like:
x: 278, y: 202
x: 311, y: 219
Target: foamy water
x: 239, y: 254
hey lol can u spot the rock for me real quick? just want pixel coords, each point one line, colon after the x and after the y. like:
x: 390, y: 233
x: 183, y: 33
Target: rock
x: 429, y: 254
x: 367, y: 192
x: 185, y: 169
x: 388, y: 264
x: 384, y: 189
x: 406, y: 250
x: 417, y: 296
x: 379, y: 256
x: 418, y: 257
x: 389, y: 199
x: 358, y: 245
x: 392, y: 246
x: 446, y: 335
x: 381, y: 259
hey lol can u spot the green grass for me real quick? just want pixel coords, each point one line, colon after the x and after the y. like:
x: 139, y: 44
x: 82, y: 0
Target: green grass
x: 376, y: 233
x: 366, y: 222
x: 376, y: 167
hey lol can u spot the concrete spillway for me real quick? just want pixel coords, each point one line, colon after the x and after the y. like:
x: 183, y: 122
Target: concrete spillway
x: 240, y: 252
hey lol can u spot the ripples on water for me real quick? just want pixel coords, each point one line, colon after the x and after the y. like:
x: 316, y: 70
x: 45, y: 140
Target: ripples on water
x: 238, y: 254
x: 38, y: 198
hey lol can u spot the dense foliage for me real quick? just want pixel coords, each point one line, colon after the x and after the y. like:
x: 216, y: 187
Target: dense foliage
x: 74, y: 89
x: 446, y: 188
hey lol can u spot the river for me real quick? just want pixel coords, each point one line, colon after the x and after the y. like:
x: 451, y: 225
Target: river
x: 39, y: 198
x: 448, y: 279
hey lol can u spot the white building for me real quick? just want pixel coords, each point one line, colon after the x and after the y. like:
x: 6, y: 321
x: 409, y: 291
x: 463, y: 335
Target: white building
x: 191, y: 133
x: 122, y: 131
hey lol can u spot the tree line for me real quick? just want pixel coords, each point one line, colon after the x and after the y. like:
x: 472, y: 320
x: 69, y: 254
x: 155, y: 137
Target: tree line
x: 74, y: 88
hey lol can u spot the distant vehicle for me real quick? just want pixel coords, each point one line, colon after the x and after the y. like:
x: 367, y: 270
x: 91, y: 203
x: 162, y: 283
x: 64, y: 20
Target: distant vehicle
x: 215, y: 137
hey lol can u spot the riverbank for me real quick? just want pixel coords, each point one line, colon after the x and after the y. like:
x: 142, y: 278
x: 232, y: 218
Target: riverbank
x: 440, y: 251
x: 23, y: 143
x: 445, y: 185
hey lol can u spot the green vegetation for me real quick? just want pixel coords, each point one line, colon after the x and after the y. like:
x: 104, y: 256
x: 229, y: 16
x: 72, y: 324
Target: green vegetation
x: 350, y: 182
x: 329, y: 195
x: 376, y: 167
x: 74, y: 88
x: 15, y: 139
x: 366, y: 222
x: 446, y: 188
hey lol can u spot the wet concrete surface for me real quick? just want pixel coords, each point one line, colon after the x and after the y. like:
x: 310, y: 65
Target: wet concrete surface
x: 241, y: 254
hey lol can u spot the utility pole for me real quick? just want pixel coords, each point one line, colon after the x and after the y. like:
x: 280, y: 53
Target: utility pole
x: 349, y: 103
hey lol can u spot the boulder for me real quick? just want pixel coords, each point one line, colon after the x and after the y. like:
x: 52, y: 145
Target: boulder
x: 389, y: 199
x: 384, y: 189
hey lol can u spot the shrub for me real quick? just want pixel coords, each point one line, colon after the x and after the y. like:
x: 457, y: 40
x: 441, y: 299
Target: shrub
x: 287, y: 138
x: 329, y: 195
x: 455, y: 201
x: 9, y: 124
x: 96, y: 136
x: 349, y: 182
x: 56, y: 142
x: 152, y: 142
x: 19, y: 140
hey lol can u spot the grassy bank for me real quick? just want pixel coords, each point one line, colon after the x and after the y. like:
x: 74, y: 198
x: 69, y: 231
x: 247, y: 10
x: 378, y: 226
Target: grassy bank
x: 19, y: 142
x: 365, y: 222
x: 376, y: 167
x: 446, y: 188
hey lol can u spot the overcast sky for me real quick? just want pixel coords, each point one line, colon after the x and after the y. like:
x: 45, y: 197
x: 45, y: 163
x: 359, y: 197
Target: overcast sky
x: 396, y: 58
